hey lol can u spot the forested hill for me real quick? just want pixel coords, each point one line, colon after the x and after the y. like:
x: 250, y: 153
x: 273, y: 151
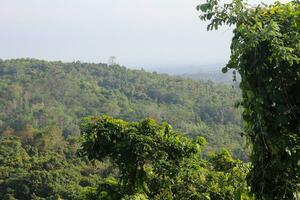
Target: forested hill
x: 38, y: 95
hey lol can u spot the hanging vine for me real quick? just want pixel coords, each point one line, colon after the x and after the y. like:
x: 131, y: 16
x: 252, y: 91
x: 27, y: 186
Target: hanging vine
x: 265, y: 50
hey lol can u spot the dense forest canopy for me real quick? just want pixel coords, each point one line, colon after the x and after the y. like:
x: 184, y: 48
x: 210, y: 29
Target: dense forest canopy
x: 42, y: 104
x: 39, y: 94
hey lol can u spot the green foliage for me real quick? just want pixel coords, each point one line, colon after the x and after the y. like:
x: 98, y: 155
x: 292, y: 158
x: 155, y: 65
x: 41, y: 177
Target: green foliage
x: 265, y: 51
x: 41, y: 95
x: 136, y: 148
x: 28, y: 173
x: 155, y: 162
x: 42, y: 103
x: 107, y: 189
x: 136, y: 197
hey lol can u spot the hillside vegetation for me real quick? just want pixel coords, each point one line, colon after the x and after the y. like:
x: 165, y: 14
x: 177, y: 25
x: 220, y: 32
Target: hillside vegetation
x: 43, y: 103
x: 39, y: 95
x: 83, y: 131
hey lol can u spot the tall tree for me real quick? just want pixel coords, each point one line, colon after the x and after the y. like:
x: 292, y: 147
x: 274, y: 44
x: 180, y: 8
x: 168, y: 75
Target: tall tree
x: 136, y: 149
x: 265, y: 50
x: 155, y: 162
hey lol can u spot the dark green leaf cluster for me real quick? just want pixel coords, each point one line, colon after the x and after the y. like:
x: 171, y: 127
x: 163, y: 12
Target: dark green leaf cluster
x: 265, y: 51
x: 155, y: 162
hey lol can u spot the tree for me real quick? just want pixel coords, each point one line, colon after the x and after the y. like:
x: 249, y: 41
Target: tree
x: 137, y: 149
x: 265, y: 50
x: 26, y: 134
x: 155, y: 162
x: 112, y: 60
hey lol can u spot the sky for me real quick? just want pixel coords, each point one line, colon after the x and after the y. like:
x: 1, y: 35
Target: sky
x: 140, y: 33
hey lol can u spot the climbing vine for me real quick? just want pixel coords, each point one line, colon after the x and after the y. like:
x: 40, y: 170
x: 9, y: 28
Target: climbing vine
x: 265, y: 50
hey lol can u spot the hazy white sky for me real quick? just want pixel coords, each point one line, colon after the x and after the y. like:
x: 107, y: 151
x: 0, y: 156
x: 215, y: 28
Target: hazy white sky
x: 140, y: 33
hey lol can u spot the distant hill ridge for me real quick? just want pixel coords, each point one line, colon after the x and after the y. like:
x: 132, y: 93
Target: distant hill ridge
x: 216, y: 77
